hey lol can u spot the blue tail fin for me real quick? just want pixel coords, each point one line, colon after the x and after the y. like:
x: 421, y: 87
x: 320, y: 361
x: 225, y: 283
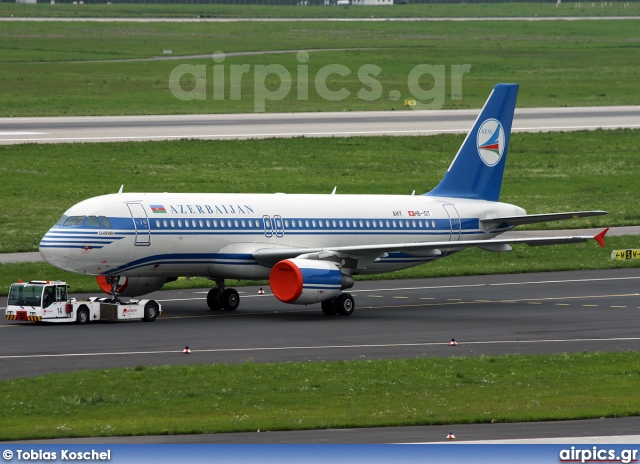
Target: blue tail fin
x: 476, y: 171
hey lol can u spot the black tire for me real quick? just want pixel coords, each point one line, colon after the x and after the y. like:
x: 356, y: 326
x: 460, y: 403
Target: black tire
x: 230, y: 300
x: 151, y: 311
x: 344, y: 304
x: 212, y: 299
x: 82, y: 316
x: 329, y: 308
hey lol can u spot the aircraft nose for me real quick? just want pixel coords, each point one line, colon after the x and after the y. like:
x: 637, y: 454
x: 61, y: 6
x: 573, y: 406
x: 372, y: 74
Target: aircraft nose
x: 52, y: 252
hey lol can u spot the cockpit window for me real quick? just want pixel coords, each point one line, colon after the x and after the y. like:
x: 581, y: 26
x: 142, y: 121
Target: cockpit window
x: 61, y: 220
x: 106, y: 223
x: 74, y: 221
x: 92, y: 221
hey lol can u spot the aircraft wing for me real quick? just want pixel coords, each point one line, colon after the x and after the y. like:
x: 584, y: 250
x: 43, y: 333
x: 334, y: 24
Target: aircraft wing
x: 270, y: 256
x: 536, y: 218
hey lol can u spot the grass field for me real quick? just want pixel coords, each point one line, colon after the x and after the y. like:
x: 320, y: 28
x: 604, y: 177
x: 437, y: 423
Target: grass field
x: 120, y: 10
x: 555, y: 66
x: 247, y: 397
x: 545, y: 173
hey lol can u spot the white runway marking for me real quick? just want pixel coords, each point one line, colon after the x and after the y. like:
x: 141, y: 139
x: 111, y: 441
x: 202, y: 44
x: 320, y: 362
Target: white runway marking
x: 23, y: 133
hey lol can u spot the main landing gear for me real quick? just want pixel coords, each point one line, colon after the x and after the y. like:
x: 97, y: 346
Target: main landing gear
x: 222, y: 298
x: 342, y: 304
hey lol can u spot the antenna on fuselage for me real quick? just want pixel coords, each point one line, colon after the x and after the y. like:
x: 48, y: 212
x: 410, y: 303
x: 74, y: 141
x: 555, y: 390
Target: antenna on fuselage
x: 334, y: 190
x: 413, y: 193
x: 121, y: 188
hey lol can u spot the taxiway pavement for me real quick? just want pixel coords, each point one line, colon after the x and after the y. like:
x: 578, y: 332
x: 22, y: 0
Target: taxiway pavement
x: 330, y: 124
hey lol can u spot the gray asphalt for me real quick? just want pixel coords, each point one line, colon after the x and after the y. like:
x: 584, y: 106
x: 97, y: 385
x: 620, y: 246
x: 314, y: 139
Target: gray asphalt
x: 498, y: 314
x: 610, y: 431
x: 526, y: 313
x: 330, y: 124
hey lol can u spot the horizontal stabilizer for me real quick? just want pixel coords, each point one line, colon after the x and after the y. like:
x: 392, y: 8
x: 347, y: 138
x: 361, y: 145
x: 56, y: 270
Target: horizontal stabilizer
x: 537, y: 218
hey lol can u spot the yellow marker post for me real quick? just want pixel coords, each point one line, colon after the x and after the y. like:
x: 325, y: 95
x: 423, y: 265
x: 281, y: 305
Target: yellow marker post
x: 409, y: 103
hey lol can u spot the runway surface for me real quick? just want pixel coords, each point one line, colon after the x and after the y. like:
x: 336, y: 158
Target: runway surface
x: 499, y: 314
x: 525, y: 313
x: 332, y: 124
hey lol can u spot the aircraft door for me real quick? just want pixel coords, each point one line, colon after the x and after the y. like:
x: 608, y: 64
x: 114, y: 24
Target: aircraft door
x: 273, y: 226
x: 268, y: 226
x: 454, y: 222
x: 141, y: 224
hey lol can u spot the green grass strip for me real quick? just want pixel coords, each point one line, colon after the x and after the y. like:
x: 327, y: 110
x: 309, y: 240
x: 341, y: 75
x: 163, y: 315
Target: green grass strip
x: 246, y: 397
x: 545, y: 172
x: 576, y: 63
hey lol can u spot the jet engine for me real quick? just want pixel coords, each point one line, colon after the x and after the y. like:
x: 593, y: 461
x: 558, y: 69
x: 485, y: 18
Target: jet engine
x: 132, y: 286
x: 304, y: 281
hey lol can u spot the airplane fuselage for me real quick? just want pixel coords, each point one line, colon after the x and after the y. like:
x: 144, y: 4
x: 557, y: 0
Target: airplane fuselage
x: 215, y: 235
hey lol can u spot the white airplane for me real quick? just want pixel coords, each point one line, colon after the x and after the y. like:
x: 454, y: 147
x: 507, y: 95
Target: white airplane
x: 308, y: 246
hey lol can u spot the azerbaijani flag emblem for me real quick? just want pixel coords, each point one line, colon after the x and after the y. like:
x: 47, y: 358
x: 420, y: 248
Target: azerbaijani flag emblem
x: 158, y: 209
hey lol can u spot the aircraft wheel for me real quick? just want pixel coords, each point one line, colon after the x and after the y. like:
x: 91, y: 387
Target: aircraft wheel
x: 82, y: 316
x: 344, y: 304
x: 328, y: 307
x: 212, y: 299
x: 150, y: 311
x: 230, y: 299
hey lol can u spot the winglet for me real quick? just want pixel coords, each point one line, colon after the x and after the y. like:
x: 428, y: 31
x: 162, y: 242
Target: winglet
x: 600, y: 237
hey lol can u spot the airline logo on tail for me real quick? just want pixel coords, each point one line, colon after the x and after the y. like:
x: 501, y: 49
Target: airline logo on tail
x: 490, y: 142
